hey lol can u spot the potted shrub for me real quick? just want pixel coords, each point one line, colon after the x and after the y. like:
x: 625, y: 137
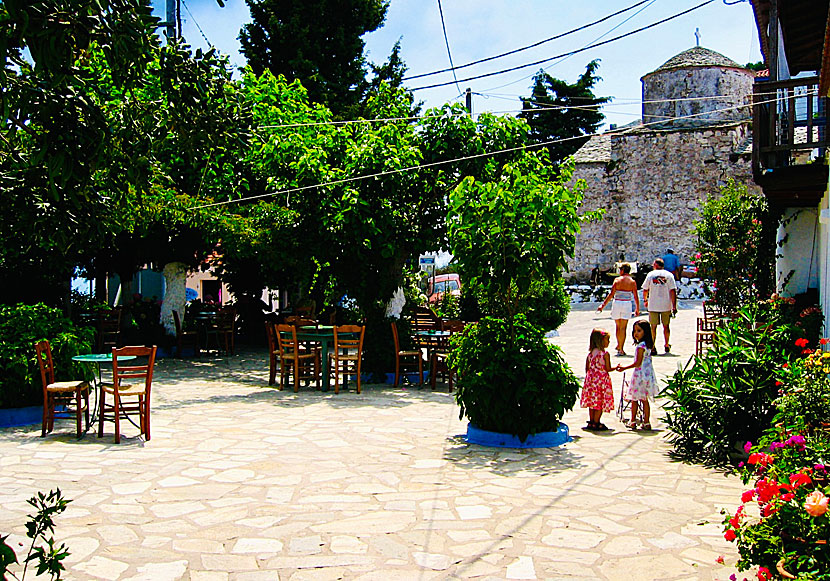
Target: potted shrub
x: 510, y: 235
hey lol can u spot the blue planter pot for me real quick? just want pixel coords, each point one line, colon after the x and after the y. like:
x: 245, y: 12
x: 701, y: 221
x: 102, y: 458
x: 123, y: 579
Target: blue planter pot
x: 21, y: 416
x: 498, y: 440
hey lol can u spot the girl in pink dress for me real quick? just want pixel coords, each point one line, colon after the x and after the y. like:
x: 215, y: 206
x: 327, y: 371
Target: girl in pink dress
x: 597, y: 392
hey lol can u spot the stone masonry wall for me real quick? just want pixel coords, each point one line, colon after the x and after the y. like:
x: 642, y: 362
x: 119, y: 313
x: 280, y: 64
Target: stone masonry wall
x: 652, y: 190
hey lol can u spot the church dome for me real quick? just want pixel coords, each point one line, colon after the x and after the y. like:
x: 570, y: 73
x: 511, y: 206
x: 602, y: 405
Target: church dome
x: 695, y: 88
x: 697, y: 56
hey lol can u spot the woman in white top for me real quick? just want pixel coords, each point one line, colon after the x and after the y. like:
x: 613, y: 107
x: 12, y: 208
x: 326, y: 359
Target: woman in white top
x: 626, y: 301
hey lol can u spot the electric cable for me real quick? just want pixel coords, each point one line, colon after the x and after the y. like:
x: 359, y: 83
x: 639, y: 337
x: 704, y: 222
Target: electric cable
x: 469, y: 157
x: 447, y: 42
x: 569, y: 53
x: 202, y: 32
x: 517, y: 50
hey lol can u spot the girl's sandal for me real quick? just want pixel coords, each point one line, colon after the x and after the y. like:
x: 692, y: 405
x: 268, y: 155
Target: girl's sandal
x: 645, y: 426
x: 591, y: 426
x: 601, y: 427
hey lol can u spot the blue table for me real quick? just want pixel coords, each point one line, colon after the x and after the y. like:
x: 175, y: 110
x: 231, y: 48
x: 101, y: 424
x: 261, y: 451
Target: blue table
x: 98, y: 359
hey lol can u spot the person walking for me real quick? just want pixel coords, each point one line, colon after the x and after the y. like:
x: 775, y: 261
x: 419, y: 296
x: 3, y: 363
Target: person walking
x: 643, y: 385
x: 597, y: 391
x: 672, y: 263
x: 660, y: 298
x: 626, y: 300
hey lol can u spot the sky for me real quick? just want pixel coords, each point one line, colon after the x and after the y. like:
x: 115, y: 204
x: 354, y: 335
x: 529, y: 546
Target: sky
x: 478, y: 29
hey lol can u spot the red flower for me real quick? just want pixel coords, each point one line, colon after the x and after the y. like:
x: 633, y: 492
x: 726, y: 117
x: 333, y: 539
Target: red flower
x: 764, y: 574
x: 801, y: 342
x: 748, y: 496
x: 729, y: 535
x: 759, y: 458
x: 824, y: 341
x: 767, y: 490
x: 799, y: 479
x: 768, y: 510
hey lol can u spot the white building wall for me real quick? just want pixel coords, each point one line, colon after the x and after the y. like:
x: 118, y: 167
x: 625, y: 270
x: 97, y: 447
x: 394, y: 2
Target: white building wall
x: 797, y: 269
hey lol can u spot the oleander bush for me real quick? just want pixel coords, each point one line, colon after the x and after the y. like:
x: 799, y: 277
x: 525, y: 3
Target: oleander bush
x: 726, y: 396
x: 21, y: 326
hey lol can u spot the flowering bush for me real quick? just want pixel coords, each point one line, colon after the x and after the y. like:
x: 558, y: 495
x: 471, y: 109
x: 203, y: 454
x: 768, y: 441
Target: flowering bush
x: 735, y: 220
x: 789, y: 473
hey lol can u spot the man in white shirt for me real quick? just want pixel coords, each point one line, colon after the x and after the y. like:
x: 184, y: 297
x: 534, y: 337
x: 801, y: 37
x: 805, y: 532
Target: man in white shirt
x: 660, y: 297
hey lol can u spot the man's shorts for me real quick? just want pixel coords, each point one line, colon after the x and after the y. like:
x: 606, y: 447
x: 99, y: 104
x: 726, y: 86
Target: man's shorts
x: 655, y: 318
x: 621, y: 310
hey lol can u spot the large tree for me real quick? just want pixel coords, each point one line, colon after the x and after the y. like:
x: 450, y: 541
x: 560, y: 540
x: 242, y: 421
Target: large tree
x: 316, y: 41
x: 559, y: 110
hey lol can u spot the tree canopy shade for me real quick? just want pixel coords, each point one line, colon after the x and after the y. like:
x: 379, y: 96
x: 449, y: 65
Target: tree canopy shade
x: 558, y: 110
x: 316, y: 41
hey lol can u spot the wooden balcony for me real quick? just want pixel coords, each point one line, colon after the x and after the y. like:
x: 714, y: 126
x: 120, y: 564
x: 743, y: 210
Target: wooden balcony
x: 790, y: 138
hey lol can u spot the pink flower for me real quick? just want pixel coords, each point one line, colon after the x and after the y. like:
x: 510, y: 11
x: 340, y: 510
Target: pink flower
x: 748, y: 447
x: 816, y: 503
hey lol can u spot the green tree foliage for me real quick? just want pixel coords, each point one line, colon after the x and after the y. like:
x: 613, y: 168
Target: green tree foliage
x: 734, y: 250
x: 559, y: 110
x: 316, y: 41
x: 54, y: 134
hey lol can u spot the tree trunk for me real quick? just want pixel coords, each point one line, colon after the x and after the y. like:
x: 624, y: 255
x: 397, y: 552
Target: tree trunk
x: 175, y: 278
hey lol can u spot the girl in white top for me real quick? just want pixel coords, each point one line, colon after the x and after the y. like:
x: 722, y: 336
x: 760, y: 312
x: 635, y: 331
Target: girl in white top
x: 626, y: 301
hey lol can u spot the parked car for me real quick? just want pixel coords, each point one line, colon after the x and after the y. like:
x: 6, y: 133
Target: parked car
x: 442, y: 283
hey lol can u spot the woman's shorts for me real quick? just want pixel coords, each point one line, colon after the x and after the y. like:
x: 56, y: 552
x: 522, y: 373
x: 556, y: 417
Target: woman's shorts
x: 621, y: 310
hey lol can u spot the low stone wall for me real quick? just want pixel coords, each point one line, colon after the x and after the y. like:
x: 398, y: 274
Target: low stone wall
x: 691, y: 289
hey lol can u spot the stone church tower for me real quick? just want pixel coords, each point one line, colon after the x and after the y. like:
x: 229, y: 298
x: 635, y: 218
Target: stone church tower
x: 651, y: 176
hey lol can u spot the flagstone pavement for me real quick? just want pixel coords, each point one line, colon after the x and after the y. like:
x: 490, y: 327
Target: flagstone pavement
x: 244, y: 482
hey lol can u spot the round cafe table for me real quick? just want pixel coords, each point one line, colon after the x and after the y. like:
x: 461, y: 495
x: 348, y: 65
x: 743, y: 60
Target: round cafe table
x: 98, y: 359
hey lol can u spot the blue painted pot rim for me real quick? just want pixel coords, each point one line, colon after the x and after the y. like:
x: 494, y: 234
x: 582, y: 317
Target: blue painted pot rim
x: 499, y: 440
x: 13, y: 417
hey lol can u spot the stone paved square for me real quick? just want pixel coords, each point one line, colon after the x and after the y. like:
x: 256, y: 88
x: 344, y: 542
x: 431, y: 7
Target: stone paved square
x: 244, y: 482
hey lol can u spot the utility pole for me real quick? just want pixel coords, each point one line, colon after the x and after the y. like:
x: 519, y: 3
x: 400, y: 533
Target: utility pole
x: 469, y: 102
x: 170, y: 21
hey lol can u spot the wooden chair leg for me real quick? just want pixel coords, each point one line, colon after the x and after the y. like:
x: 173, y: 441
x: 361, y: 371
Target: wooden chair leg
x: 45, y: 416
x: 296, y: 367
x: 433, y: 370
x: 101, y: 397
x: 336, y: 377
x: 397, y: 370
x: 358, y: 375
x: 420, y: 370
x: 117, y: 404
x: 78, y: 411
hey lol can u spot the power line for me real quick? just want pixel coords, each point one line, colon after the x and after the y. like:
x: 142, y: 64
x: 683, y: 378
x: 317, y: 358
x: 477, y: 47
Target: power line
x: 579, y: 50
x: 447, y: 42
x: 514, y: 51
x: 543, y: 107
x: 469, y: 157
x: 202, y: 32
x: 563, y: 59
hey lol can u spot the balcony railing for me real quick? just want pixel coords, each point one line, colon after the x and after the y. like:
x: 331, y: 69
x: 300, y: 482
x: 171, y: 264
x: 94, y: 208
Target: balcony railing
x: 789, y: 124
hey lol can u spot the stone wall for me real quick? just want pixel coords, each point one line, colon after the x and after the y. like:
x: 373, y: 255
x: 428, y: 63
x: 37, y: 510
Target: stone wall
x: 652, y: 189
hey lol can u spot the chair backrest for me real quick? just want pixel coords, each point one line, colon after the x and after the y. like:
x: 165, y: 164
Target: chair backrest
x: 299, y: 321
x: 178, y: 322
x: 424, y: 318
x: 131, y: 373
x: 287, y: 340
x: 349, y: 337
x: 395, y: 338
x: 44, y: 361
x: 711, y: 310
x: 454, y: 326
x: 226, y: 319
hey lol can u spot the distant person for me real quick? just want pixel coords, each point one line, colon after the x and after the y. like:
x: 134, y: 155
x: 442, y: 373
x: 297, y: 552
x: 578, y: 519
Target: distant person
x: 626, y: 301
x: 643, y: 384
x: 671, y: 263
x: 597, y: 391
x: 621, y: 261
x: 660, y: 297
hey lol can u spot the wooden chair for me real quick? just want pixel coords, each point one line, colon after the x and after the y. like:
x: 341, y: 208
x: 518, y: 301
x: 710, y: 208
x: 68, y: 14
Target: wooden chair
x: 109, y: 330
x: 404, y: 355
x: 438, y: 359
x: 72, y: 394
x: 712, y: 310
x: 304, y: 365
x: 348, y: 352
x: 226, y: 328
x: 183, y: 336
x: 129, y: 391
x: 705, y: 336
x: 273, y: 351
x: 424, y: 319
